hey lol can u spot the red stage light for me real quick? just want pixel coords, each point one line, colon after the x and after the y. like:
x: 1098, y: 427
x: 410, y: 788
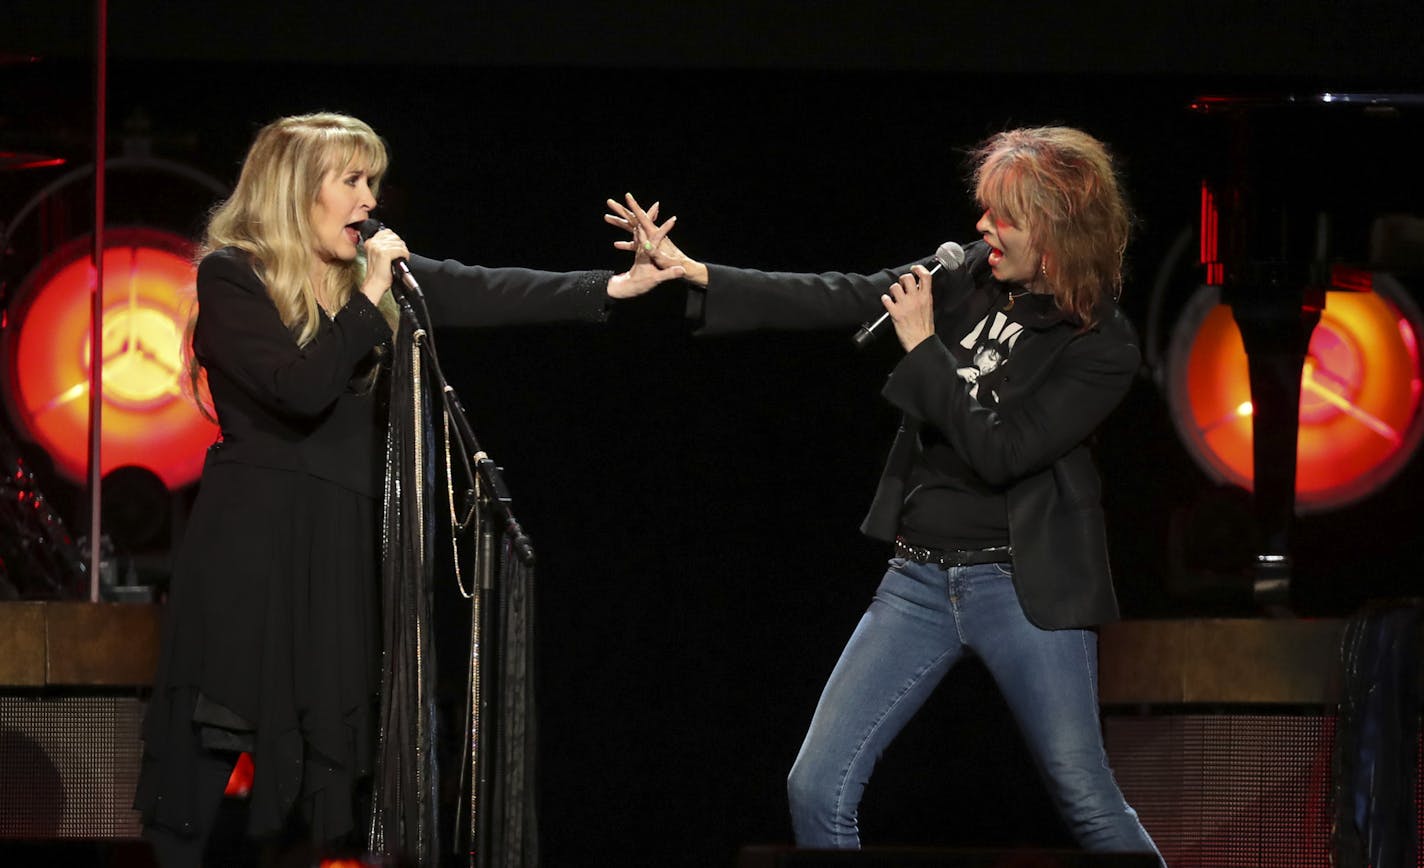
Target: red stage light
x: 1360, y: 419
x: 147, y: 418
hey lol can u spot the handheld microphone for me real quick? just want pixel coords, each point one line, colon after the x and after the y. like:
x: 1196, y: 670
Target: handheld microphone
x: 400, y: 268
x: 949, y: 256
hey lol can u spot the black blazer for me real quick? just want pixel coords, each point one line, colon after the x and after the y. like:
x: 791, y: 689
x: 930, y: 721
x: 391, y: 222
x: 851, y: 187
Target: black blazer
x: 1061, y: 382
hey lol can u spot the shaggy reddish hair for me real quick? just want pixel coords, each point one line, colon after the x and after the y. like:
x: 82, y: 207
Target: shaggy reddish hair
x: 1059, y: 185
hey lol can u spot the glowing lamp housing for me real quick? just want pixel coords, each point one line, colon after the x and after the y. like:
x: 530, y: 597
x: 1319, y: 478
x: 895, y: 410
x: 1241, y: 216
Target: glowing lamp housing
x: 148, y: 419
x: 1360, y: 420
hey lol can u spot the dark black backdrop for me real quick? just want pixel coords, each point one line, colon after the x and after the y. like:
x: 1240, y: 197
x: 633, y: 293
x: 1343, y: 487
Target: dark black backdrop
x: 694, y: 502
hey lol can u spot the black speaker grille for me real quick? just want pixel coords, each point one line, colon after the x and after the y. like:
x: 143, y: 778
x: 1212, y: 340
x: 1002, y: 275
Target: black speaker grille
x: 1235, y: 790
x: 68, y: 767
x: 1229, y: 791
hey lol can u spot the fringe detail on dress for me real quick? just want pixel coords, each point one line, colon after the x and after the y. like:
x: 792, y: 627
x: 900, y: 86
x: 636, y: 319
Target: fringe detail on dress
x: 404, y: 816
x: 513, y: 824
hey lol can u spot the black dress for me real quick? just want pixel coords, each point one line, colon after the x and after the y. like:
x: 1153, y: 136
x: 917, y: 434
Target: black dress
x: 271, y: 642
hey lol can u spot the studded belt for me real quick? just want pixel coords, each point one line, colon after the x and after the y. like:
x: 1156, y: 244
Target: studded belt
x: 954, y: 557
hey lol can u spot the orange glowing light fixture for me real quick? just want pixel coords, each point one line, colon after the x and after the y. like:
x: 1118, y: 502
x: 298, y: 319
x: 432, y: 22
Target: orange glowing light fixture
x: 147, y: 418
x: 1360, y: 419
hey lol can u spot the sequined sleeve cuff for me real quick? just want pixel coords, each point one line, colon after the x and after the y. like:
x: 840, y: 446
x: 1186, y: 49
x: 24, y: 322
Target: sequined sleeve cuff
x: 593, y: 286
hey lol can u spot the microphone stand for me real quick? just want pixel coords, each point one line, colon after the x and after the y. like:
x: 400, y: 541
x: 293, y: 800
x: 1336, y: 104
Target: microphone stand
x: 487, y: 508
x: 487, y: 475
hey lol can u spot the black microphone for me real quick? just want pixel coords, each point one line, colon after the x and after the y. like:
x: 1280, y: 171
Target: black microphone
x: 401, y: 269
x: 949, y: 256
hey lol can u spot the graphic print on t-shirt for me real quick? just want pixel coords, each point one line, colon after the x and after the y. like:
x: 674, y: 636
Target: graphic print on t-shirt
x: 988, y: 344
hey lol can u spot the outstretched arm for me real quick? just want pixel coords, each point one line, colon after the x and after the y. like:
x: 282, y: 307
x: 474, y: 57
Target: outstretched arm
x: 741, y: 299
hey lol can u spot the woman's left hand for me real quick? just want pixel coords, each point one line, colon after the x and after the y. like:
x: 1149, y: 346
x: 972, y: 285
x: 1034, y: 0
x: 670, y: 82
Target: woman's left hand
x: 910, y: 303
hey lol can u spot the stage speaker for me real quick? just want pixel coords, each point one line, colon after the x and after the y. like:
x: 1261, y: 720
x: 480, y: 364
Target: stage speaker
x: 70, y: 766
x: 1229, y: 790
x: 911, y: 857
x: 71, y: 680
x: 1222, y: 733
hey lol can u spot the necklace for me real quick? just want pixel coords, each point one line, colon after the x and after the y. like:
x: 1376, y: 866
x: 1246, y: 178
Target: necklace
x: 1013, y: 297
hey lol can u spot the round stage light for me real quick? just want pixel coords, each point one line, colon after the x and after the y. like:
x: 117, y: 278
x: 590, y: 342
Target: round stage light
x: 148, y: 420
x: 1360, y: 420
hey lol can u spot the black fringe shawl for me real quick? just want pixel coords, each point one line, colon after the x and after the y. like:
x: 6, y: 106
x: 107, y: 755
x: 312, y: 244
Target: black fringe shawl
x: 404, y: 798
x: 405, y: 792
x: 511, y: 821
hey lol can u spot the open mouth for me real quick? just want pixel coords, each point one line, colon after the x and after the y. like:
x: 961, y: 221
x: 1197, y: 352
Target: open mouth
x: 353, y: 232
x: 995, y: 255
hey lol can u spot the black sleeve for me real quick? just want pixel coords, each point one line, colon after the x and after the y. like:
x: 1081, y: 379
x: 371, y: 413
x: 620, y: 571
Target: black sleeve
x: 472, y: 296
x: 1088, y: 379
x: 743, y: 299
x: 240, y: 333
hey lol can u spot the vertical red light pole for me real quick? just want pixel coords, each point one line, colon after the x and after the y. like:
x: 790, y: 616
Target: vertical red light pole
x: 96, y: 310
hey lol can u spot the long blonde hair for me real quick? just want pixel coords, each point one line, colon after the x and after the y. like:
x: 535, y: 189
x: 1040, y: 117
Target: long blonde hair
x: 1060, y: 184
x: 269, y: 212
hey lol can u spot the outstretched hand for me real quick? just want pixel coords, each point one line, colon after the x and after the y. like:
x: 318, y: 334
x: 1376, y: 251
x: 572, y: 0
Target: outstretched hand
x: 650, y: 239
x: 646, y: 271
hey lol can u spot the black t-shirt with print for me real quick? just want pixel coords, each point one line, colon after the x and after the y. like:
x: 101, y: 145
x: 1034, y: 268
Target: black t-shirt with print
x: 948, y: 505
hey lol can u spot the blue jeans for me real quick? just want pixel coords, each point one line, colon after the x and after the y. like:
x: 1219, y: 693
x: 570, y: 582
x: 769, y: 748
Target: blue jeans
x: 923, y: 619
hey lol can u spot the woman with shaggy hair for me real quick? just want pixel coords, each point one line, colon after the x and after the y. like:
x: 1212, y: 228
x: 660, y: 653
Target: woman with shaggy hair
x: 989, y: 496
